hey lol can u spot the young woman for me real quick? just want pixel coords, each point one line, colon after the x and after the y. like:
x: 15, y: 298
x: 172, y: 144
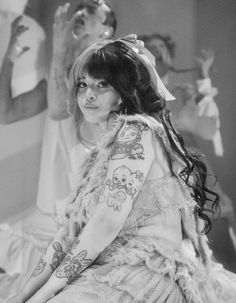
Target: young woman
x: 133, y: 230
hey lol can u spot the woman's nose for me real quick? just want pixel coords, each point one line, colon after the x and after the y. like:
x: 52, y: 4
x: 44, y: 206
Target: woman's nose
x: 90, y: 95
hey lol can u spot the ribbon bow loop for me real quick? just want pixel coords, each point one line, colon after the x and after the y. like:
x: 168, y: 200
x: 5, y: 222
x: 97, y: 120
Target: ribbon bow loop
x: 149, y: 61
x: 133, y: 38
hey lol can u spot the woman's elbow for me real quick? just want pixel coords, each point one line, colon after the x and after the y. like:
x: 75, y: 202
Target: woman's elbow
x: 108, y: 228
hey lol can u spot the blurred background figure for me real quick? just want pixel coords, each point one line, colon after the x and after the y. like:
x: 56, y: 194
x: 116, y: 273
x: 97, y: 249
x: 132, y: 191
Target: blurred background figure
x: 195, y: 114
x: 22, y: 98
x: 63, y: 149
x: 17, y: 102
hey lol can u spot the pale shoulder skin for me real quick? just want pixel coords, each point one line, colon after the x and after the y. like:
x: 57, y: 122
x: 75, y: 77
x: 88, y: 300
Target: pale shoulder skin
x: 28, y: 104
x: 127, y: 170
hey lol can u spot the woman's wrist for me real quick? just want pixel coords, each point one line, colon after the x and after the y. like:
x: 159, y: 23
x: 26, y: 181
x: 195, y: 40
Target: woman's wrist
x: 203, y: 74
x: 9, y: 60
x: 47, y: 291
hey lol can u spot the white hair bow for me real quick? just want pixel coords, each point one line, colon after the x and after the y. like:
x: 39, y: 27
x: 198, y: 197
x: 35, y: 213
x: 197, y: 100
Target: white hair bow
x: 149, y: 61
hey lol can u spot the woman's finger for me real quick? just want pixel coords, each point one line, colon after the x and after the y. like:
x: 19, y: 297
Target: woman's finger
x: 57, y: 14
x: 64, y: 12
x: 17, y: 20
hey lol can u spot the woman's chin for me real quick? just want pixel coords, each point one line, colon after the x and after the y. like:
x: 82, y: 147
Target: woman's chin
x: 96, y: 119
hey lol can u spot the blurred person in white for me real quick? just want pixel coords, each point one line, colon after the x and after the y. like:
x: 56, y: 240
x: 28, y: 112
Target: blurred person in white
x: 28, y: 104
x: 195, y: 114
x: 63, y: 148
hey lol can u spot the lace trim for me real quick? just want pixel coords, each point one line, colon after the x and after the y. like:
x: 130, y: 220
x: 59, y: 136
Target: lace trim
x: 145, y: 261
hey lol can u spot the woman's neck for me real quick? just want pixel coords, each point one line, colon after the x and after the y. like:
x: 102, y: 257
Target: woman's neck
x: 92, y: 133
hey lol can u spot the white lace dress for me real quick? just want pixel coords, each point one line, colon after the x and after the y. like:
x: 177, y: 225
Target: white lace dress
x: 158, y: 255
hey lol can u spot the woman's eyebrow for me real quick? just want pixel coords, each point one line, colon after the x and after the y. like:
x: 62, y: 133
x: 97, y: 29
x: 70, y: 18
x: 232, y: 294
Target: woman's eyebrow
x: 81, y: 78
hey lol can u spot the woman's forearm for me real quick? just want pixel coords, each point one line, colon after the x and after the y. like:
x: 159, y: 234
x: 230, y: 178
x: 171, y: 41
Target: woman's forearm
x: 57, y: 88
x: 6, y: 101
x: 96, y: 236
x: 53, y: 256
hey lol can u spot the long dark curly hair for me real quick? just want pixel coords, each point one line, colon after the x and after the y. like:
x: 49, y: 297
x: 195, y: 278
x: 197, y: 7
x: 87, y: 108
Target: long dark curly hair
x: 121, y: 67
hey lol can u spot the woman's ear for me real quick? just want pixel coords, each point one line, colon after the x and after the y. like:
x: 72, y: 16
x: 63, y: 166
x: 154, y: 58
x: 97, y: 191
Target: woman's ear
x: 119, y: 102
x: 108, y: 32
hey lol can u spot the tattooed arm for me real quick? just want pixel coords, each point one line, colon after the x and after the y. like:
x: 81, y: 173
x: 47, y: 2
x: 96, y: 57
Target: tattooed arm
x: 53, y: 256
x: 57, y: 88
x: 124, y: 180
x: 62, y: 58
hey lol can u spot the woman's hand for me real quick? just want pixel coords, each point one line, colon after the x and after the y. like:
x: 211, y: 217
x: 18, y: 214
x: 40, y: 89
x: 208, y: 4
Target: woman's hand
x: 14, y: 50
x: 205, y: 62
x: 64, y: 38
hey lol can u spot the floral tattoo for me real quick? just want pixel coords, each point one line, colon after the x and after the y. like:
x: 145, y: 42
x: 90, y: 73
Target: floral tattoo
x: 71, y: 267
x: 128, y: 144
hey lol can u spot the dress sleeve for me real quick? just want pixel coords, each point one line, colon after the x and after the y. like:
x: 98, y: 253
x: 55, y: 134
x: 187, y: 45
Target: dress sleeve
x: 207, y: 107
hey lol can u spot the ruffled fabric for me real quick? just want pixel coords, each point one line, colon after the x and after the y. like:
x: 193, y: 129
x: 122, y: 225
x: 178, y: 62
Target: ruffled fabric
x: 135, y: 272
x: 20, y: 251
x: 145, y: 271
x: 10, y: 285
x: 24, y: 240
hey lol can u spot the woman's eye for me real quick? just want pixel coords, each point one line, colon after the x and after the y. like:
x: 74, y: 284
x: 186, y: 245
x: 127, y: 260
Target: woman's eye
x: 103, y: 84
x: 81, y: 85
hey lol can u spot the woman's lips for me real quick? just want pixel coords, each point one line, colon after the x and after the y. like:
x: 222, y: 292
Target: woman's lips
x: 90, y: 107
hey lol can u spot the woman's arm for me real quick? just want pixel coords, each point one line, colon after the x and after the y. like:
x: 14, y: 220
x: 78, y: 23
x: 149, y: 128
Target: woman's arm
x: 62, y: 58
x: 53, y: 256
x: 199, y: 113
x: 27, y: 104
x: 127, y: 170
x: 207, y: 116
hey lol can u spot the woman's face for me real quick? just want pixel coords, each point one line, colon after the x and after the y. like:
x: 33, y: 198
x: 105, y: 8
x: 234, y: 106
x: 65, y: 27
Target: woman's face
x: 96, y: 98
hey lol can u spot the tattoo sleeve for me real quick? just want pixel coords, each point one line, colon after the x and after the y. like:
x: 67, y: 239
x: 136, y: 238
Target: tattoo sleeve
x: 123, y: 183
x: 53, y: 256
x: 128, y: 143
x: 71, y: 267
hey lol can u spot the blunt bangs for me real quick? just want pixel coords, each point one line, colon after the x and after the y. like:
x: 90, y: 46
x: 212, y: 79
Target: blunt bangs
x: 103, y: 65
x: 103, y: 62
